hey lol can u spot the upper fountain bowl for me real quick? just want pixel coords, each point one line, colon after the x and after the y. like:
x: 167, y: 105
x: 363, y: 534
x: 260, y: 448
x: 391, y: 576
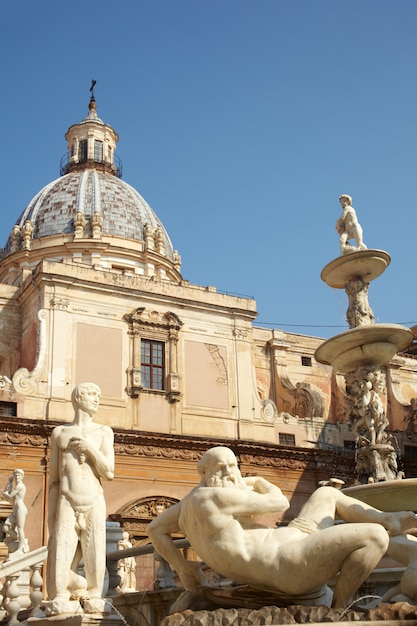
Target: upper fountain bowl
x: 364, y: 264
x: 371, y: 346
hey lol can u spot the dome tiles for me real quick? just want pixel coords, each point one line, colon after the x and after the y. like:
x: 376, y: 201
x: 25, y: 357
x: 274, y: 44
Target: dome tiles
x: 123, y: 210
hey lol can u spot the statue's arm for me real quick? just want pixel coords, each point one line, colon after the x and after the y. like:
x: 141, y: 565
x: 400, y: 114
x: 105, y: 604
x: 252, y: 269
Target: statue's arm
x: 101, y: 458
x: 159, y: 531
x: 105, y: 458
x: 20, y: 491
x: 264, y: 498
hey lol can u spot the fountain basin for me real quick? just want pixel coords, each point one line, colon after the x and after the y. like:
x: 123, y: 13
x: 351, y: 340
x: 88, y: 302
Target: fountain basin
x: 392, y: 495
x: 364, y: 264
x: 364, y: 346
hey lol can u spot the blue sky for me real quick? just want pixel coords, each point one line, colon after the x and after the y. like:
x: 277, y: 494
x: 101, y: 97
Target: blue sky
x: 240, y: 122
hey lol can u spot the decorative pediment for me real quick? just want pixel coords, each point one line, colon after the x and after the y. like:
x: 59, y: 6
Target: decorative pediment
x: 137, y: 514
x: 146, y: 508
x: 142, y: 317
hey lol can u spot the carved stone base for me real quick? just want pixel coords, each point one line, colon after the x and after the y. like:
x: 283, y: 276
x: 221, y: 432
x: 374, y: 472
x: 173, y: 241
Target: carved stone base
x: 377, y: 463
x: 397, y: 614
x: 78, y: 619
x: 245, y: 596
x: 61, y: 606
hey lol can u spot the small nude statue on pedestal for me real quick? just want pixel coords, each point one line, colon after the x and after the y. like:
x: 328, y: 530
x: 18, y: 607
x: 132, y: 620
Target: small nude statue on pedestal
x: 14, y: 526
x: 82, y: 455
x: 348, y: 227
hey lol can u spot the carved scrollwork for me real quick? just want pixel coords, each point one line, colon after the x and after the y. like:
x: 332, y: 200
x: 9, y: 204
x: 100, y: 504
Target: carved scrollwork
x: 6, y: 383
x: 24, y: 381
x: 269, y: 410
x: 143, y: 509
x: 308, y: 401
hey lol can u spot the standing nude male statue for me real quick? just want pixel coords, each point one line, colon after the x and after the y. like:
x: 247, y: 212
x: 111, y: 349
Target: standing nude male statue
x: 82, y: 454
x: 217, y: 519
x: 348, y: 227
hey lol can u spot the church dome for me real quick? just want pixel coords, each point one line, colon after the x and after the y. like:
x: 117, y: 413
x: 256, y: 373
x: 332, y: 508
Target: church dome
x: 54, y: 209
x: 90, y: 215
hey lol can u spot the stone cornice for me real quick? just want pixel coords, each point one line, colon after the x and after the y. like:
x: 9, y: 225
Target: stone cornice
x: 97, y: 279
x: 14, y: 431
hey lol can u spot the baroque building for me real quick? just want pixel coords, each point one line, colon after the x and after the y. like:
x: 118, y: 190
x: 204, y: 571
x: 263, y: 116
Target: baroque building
x: 91, y: 290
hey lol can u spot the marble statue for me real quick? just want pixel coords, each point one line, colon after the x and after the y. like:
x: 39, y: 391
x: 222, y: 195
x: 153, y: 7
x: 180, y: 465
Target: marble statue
x: 82, y: 455
x: 126, y: 567
x: 348, y: 227
x: 14, y: 525
x: 367, y: 414
x: 217, y: 519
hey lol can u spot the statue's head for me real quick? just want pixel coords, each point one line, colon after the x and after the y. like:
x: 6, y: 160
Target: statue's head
x: 218, y: 468
x: 86, y: 396
x: 345, y: 200
x: 18, y: 474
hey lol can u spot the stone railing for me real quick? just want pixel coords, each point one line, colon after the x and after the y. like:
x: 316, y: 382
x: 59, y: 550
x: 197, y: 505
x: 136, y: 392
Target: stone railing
x: 12, y: 597
x: 164, y: 575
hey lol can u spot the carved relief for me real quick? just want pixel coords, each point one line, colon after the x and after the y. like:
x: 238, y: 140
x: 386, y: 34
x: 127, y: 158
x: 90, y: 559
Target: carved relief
x: 21, y: 439
x: 146, y: 508
x: 135, y: 516
x: 367, y: 416
x: 60, y: 303
x: 269, y: 410
x: 359, y: 312
x: 308, y: 401
x: 6, y: 384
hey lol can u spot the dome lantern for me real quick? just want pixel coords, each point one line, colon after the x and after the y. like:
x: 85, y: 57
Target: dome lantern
x: 91, y: 144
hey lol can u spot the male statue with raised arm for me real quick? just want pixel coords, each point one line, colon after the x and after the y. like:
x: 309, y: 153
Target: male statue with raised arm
x: 82, y: 455
x: 297, y: 560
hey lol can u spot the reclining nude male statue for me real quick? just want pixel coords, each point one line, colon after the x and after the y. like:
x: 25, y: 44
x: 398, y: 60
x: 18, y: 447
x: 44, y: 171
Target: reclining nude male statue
x: 217, y: 519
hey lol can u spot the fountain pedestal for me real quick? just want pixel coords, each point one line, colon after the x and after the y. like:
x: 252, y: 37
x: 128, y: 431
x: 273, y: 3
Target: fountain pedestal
x: 359, y: 354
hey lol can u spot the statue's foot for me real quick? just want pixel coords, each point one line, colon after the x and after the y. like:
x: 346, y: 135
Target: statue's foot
x: 398, y: 523
x: 60, y: 605
x: 97, y: 605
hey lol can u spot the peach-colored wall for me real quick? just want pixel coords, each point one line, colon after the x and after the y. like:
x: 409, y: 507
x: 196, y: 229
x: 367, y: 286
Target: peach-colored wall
x: 99, y: 358
x: 206, y: 377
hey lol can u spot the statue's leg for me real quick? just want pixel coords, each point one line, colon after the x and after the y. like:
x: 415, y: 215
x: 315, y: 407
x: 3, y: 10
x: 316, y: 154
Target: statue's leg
x: 326, y: 503
x: 403, y: 548
x: 61, y: 549
x: 93, y: 546
x: 350, y: 550
x: 352, y: 510
x: 306, y: 563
